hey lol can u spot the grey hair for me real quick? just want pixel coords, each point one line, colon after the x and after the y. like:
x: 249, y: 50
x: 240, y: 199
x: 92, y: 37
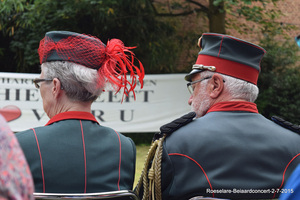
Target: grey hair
x: 237, y: 88
x: 80, y: 83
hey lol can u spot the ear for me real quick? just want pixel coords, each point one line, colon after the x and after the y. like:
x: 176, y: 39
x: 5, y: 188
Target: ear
x: 217, y: 86
x: 57, y: 88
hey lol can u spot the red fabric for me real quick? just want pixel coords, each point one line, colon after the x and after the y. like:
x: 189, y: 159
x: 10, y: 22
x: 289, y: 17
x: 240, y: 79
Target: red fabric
x: 72, y: 115
x: 120, y: 159
x: 230, y: 68
x: 84, y: 156
x: 42, y: 166
x: 234, y: 106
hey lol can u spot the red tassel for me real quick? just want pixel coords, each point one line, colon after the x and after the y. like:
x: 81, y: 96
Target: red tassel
x: 118, y: 64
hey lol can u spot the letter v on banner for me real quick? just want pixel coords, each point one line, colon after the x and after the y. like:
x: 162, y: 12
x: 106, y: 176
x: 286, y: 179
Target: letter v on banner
x: 37, y: 114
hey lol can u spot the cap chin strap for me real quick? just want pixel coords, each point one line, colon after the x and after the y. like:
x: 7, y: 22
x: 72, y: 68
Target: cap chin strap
x: 210, y: 68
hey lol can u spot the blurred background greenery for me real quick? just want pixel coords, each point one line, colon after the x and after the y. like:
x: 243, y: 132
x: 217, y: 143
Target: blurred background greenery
x: 158, y: 30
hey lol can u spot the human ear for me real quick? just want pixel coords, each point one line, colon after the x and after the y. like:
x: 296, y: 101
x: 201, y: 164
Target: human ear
x: 217, y: 86
x: 57, y: 88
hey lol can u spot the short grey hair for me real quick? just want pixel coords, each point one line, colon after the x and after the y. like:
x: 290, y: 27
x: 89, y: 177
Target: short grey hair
x: 80, y: 83
x: 237, y: 88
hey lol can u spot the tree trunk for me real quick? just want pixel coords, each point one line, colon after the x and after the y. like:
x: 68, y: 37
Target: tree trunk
x: 216, y: 17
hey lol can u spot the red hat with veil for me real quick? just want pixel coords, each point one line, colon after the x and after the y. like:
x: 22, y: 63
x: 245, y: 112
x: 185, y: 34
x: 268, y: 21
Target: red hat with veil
x: 113, y: 61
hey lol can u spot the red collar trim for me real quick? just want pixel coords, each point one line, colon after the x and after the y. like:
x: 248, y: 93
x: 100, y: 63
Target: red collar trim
x: 234, y: 106
x: 72, y: 115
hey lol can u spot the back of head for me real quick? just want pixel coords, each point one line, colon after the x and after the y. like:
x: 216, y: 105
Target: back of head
x: 84, y: 64
x: 80, y: 83
x: 237, y: 88
x: 238, y: 62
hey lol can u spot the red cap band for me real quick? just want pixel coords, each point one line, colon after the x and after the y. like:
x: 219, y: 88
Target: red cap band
x: 230, y: 68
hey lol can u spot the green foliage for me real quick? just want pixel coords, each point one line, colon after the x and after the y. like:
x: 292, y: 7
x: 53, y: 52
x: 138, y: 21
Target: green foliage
x: 9, y: 11
x: 262, y: 15
x: 131, y: 21
x: 279, y: 80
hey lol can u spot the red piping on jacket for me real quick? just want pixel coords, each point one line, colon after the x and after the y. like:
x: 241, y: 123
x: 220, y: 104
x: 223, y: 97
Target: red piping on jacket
x: 210, y: 183
x: 285, y: 171
x: 120, y: 158
x: 84, y: 154
x: 42, y: 168
x: 178, y: 154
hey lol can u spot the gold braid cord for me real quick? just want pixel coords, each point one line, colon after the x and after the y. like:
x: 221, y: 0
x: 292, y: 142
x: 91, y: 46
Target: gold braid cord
x: 151, y: 180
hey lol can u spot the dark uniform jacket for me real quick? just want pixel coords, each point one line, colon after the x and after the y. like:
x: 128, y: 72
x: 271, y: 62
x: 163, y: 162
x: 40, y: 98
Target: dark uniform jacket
x: 231, y: 152
x: 74, y: 154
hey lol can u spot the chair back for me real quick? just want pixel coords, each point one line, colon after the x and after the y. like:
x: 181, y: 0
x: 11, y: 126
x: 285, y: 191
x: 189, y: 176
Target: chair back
x: 114, y: 195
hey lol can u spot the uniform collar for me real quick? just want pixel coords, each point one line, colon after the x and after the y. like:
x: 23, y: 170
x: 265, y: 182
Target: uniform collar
x: 72, y: 115
x: 234, y: 106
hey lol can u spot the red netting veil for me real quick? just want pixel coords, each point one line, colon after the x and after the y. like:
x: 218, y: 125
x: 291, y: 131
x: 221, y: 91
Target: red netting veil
x: 113, y: 61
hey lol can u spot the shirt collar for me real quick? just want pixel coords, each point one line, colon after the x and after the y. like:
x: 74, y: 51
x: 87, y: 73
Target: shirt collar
x: 234, y: 106
x: 72, y: 115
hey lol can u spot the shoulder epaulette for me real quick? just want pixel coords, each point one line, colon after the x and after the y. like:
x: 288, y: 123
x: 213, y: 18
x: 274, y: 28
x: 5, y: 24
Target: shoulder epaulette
x: 174, y: 125
x: 286, y: 124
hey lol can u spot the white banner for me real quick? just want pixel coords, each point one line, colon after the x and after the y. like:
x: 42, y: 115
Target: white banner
x: 162, y: 99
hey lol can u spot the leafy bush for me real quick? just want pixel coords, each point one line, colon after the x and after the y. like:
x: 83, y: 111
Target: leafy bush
x: 24, y: 23
x: 279, y: 80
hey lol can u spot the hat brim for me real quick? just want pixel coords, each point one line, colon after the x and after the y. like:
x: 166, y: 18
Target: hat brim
x: 188, y: 77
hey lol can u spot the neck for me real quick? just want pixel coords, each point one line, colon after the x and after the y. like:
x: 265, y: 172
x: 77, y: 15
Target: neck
x: 65, y: 105
x: 226, y: 98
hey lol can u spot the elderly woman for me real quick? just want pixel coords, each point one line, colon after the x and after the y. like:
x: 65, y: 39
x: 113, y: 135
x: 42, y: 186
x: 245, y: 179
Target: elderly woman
x: 73, y: 153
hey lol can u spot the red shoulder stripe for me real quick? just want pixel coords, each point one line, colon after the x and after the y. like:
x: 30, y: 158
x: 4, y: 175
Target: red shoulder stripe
x: 178, y: 154
x: 42, y: 168
x: 282, y: 182
x: 120, y: 159
x: 84, y: 156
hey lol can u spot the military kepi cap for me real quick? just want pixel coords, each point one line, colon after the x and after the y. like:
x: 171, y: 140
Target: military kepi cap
x: 228, y: 55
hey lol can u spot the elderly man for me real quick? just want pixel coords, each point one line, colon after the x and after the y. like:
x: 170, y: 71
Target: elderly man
x: 229, y: 150
x: 73, y: 153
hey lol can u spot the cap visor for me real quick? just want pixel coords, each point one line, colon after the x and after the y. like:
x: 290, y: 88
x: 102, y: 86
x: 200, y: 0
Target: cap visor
x: 188, y: 77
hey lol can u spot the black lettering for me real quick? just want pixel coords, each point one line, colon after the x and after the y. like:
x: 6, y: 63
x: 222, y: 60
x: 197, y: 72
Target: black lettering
x: 99, y: 115
x: 24, y: 81
x: 15, y: 80
x: 153, y: 82
x: 123, y: 116
x: 111, y: 97
x: 29, y: 94
x: 99, y: 99
x: 37, y: 114
x: 17, y: 94
x: 6, y: 94
x: 146, y: 94
x: 130, y: 96
x: 147, y: 83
